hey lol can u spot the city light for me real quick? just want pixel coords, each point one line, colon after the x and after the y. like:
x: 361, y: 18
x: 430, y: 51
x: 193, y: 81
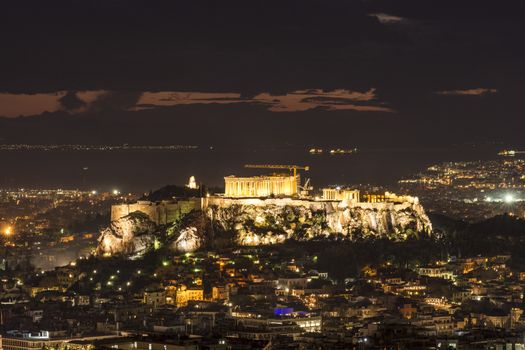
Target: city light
x: 509, y: 198
x: 8, y: 231
x: 293, y: 237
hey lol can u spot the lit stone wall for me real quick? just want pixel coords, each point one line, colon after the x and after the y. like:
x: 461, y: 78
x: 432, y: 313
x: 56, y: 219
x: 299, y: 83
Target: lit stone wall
x: 392, y: 197
x: 260, y: 186
x: 159, y: 212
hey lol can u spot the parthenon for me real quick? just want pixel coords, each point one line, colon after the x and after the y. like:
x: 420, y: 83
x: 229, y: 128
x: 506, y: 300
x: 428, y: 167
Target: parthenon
x: 261, y: 186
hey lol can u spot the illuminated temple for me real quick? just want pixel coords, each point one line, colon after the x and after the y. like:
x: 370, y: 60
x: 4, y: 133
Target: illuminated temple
x: 261, y: 186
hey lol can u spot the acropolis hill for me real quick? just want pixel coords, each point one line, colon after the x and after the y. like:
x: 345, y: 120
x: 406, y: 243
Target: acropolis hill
x: 262, y: 210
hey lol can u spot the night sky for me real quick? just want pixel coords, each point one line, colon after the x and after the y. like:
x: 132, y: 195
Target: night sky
x: 408, y: 73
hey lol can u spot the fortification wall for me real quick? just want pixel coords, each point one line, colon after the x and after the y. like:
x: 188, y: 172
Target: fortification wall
x: 159, y: 212
x: 328, y: 205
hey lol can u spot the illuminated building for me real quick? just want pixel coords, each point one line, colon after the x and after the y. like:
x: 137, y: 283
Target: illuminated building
x: 220, y: 293
x: 155, y: 298
x: 192, y: 184
x: 436, y: 272
x: 26, y: 340
x: 252, y: 321
x: 374, y: 198
x: 389, y: 197
x: 180, y: 296
x: 339, y: 194
x: 261, y: 186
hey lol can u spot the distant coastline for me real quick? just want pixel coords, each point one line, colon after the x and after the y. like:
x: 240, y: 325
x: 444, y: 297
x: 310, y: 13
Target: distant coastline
x: 79, y: 147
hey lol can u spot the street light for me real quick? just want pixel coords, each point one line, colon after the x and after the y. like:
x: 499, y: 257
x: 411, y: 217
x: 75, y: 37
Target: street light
x: 8, y: 231
x: 509, y: 198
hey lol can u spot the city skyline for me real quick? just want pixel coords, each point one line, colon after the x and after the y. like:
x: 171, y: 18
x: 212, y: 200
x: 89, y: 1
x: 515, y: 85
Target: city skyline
x: 262, y: 174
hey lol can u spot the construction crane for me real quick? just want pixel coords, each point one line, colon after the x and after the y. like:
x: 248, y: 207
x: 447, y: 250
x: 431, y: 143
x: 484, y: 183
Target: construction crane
x: 305, y: 189
x: 293, y: 168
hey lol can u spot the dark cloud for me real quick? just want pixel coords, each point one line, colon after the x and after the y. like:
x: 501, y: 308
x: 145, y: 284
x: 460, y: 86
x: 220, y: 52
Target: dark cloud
x: 452, y: 9
x: 177, y: 45
x: 115, y: 101
x: 385, y: 18
x: 468, y: 92
x: 71, y: 102
x: 407, y: 51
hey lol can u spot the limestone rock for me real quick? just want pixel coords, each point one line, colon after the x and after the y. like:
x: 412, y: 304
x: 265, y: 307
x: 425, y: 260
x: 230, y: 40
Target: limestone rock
x: 189, y: 240
x: 130, y: 235
x: 269, y: 221
x: 254, y: 221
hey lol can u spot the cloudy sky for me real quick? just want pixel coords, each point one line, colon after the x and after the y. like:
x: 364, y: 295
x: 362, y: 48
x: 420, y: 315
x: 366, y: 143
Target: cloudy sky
x: 352, y: 72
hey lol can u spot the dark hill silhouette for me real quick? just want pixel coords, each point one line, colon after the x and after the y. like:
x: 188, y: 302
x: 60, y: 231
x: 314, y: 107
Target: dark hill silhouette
x: 502, y: 225
x: 174, y: 191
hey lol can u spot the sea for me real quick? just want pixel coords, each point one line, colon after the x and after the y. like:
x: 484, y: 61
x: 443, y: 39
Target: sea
x: 140, y: 171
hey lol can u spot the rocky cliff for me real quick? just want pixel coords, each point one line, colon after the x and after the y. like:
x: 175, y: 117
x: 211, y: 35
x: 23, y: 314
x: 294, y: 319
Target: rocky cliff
x: 135, y: 234
x: 265, y: 221
x: 268, y: 221
x: 132, y: 235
